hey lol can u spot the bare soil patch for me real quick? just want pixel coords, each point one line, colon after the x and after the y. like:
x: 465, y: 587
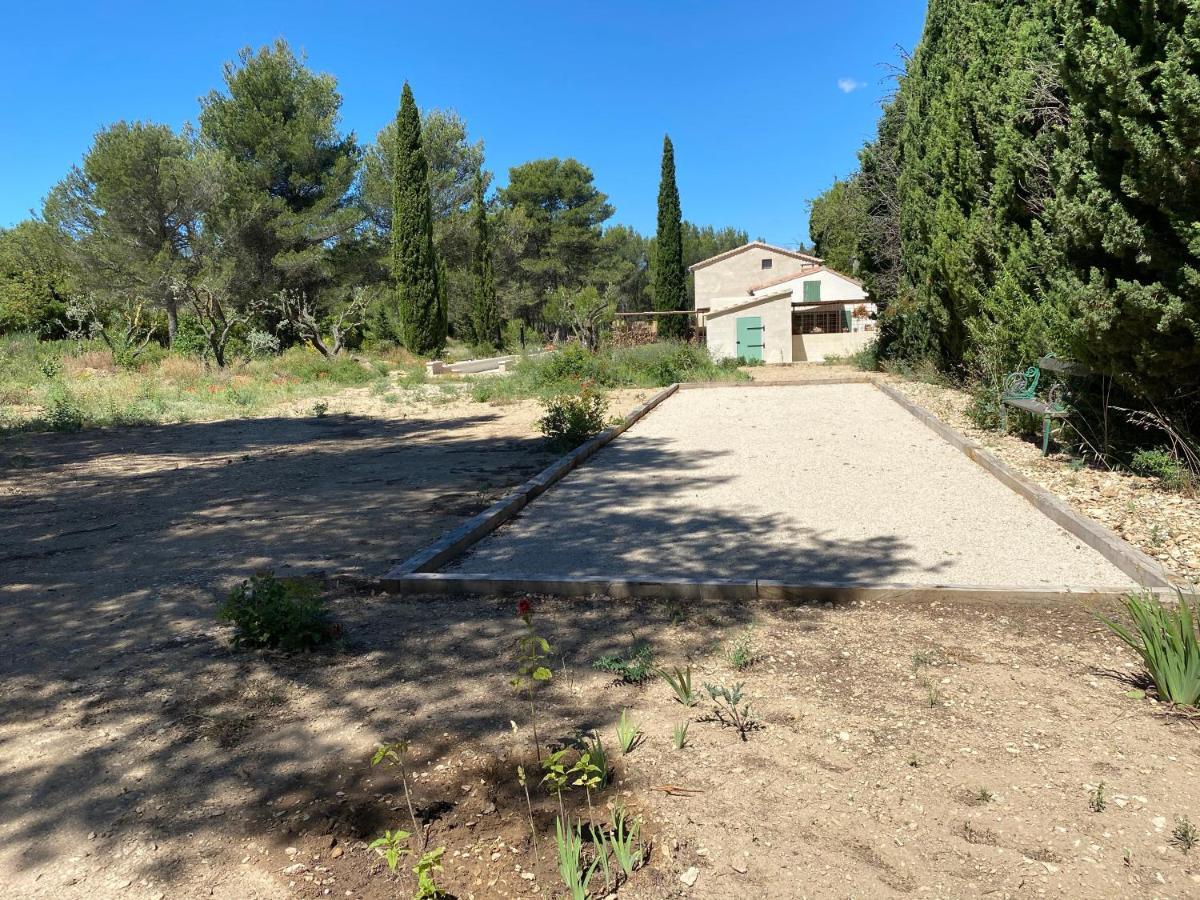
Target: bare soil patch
x: 121, y: 711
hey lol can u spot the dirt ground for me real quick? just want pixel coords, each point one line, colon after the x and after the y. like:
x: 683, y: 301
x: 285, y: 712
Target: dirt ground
x: 934, y: 751
x: 115, y: 548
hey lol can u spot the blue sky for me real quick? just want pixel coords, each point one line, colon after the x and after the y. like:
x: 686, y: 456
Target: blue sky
x: 765, y: 102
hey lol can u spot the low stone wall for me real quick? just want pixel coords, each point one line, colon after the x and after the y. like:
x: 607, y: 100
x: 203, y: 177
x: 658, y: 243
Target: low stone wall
x: 815, y: 347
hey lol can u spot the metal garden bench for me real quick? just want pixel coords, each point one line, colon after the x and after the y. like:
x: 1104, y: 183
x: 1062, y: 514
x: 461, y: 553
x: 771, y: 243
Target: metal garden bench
x: 1020, y: 391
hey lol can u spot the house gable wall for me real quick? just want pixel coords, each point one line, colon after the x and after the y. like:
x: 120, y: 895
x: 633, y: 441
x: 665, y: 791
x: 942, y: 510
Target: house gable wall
x: 833, y: 287
x: 736, y: 274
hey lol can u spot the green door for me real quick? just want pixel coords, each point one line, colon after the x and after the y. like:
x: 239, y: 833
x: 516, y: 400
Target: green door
x: 750, y: 338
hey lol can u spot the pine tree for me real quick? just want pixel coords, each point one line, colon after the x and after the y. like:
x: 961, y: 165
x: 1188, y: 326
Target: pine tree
x: 419, y: 296
x: 670, y: 278
x: 286, y: 171
x: 485, y: 310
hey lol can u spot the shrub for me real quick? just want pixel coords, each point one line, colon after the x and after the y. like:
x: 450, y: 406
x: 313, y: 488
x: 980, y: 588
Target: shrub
x: 62, y: 410
x: 268, y: 612
x: 1164, y: 466
x: 570, y: 419
x: 574, y: 362
x: 190, y: 339
x: 657, y: 365
x: 261, y: 344
x: 983, y: 410
x: 1166, y: 640
x: 866, y: 359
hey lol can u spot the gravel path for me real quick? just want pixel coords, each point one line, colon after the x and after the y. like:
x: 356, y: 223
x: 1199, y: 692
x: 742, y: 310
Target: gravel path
x: 815, y: 483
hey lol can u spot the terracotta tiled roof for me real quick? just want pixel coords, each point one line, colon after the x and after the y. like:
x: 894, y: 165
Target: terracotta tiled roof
x: 754, y: 245
x: 803, y: 273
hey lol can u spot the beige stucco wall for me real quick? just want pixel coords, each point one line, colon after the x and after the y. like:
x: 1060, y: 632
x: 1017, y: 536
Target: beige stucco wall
x: 833, y: 287
x: 735, y: 276
x: 776, y: 318
x: 815, y: 347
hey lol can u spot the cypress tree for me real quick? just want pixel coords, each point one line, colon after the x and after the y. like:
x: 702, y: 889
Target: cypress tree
x: 485, y: 310
x: 1126, y: 207
x: 670, y: 278
x: 414, y: 266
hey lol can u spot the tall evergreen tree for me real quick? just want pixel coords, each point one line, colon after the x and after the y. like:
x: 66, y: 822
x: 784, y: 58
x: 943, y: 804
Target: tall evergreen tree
x: 485, y: 309
x: 1126, y: 209
x: 554, y: 213
x: 670, y: 278
x: 420, y: 300
x: 287, y: 172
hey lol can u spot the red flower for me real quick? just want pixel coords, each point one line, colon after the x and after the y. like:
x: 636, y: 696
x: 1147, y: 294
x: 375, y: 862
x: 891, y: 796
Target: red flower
x: 524, y: 609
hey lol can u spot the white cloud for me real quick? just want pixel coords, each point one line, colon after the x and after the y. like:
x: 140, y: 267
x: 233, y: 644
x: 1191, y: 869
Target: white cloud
x: 849, y: 85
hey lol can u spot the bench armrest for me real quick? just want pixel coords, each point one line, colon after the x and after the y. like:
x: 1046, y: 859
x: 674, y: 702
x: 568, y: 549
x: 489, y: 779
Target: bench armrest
x: 1022, y: 385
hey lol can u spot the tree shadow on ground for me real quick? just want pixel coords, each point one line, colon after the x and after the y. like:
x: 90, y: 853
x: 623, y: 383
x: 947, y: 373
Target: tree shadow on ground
x: 639, y: 512
x: 126, y: 714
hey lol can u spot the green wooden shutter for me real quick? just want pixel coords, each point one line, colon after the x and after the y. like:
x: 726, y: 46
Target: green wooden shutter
x: 812, y: 292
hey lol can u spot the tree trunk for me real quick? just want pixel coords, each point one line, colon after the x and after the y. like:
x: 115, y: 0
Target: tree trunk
x: 172, y: 321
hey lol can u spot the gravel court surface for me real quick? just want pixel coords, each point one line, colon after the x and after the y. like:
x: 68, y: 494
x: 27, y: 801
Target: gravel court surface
x: 804, y: 484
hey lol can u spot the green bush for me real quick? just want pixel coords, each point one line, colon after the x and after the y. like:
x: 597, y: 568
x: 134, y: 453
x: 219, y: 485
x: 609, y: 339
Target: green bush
x: 570, y: 419
x: 1164, y: 466
x: 572, y: 363
x: 1166, y: 640
x: 866, y: 359
x: 983, y: 410
x: 190, y: 339
x: 664, y: 363
x: 62, y: 411
x: 268, y: 612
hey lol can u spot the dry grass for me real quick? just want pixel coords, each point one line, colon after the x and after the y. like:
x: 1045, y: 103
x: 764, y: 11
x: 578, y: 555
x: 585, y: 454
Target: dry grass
x: 90, y: 361
x: 59, y: 386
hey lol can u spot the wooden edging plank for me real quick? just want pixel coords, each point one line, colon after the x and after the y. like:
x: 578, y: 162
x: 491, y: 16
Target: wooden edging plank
x: 452, y: 544
x: 443, y: 584
x: 1143, y: 569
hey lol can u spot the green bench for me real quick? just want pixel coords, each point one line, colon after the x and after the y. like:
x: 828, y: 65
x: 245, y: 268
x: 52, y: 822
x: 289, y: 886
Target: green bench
x: 1020, y: 391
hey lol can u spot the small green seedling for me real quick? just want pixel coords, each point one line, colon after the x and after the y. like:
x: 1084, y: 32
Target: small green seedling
x: 556, y: 778
x: 739, y: 652
x: 533, y: 651
x: 730, y: 710
x: 680, y: 734
x: 1096, y: 799
x: 932, y: 695
x: 392, y: 847
x: 426, y: 868
x: 1184, y: 834
x: 623, y: 841
x: 680, y: 681
x: 628, y: 733
x: 396, y: 754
